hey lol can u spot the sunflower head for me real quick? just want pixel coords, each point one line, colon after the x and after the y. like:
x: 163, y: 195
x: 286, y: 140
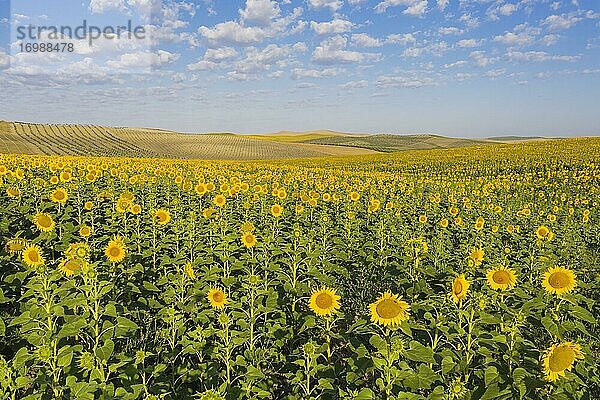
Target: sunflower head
x: 85, y: 231
x: 44, y: 222
x: 559, y: 280
x: 219, y: 200
x: 324, y: 302
x: 460, y: 288
x: 249, y: 240
x: 59, y: 196
x: 189, y: 271
x: 276, y: 210
x: 115, y: 250
x: 501, y: 278
x: 32, y: 256
x: 70, y: 266
x: 476, y: 256
x: 162, y: 216
x: 389, y: 310
x: 15, y: 245
x: 560, y: 358
x: 217, y: 298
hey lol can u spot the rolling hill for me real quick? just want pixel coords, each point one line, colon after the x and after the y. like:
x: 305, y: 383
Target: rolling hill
x: 50, y: 139
x: 94, y: 140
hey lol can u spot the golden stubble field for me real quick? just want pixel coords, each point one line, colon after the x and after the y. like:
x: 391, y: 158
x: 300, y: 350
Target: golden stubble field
x: 467, y: 273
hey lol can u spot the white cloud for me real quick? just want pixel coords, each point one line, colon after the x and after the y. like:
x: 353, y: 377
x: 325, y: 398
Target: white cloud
x: 414, y: 7
x: 260, y: 12
x: 236, y: 33
x: 537, y: 56
x: 459, y: 63
x: 505, y: 10
x: 220, y: 54
x: 354, y: 85
x: 331, y: 27
x: 333, y: 5
x: 442, y: 4
x: 450, y: 30
x: 469, y: 20
x: 468, y: 43
x: 402, y: 38
x: 4, y: 59
x: 300, y: 73
x: 560, y: 22
x: 521, y: 36
x: 480, y: 58
x: 364, y: 40
x: 332, y: 51
x: 143, y: 59
x: 406, y: 79
x: 549, y: 40
x: 495, y: 73
x: 100, y: 6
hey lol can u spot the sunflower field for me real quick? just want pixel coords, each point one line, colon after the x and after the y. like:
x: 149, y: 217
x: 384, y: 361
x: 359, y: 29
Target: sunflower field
x: 468, y: 273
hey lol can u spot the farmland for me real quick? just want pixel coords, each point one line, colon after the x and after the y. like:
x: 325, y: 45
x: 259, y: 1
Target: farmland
x: 26, y: 138
x: 48, y: 139
x: 461, y: 273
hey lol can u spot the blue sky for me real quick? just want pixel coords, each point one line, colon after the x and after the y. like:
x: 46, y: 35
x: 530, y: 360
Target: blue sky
x: 466, y: 68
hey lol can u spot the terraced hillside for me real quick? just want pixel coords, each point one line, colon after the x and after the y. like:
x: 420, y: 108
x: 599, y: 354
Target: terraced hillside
x: 91, y: 140
x: 390, y: 143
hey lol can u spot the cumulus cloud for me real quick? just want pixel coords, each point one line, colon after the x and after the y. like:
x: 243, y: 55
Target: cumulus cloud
x: 560, y: 22
x: 468, y: 43
x: 480, y: 59
x: 450, y: 30
x: 333, y: 51
x: 405, y: 79
x: 401, y: 38
x: 331, y: 27
x: 143, y: 59
x: 364, y: 40
x: 236, y: 33
x: 414, y: 7
x: 333, y: 5
x: 522, y: 35
x: 260, y: 12
x: 354, y: 85
x: 300, y: 73
x: 442, y: 4
x: 537, y: 56
x: 101, y: 6
x: 504, y: 10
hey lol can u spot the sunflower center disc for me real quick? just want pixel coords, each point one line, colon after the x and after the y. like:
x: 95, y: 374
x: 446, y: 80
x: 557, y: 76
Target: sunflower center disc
x: 558, y: 280
x: 33, y: 256
x: 501, y: 277
x: 115, y: 251
x: 324, y: 301
x: 458, y: 288
x: 218, y: 297
x: 388, y: 309
x: 561, y: 359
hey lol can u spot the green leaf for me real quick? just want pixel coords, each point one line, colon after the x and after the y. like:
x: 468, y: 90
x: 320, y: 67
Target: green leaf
x: 110, y: 310
x: 72, y: 329
x: 418, y: 352
x: 447, y: 364
x: 126, y: 325
x: 2, y: 327
x: 379, y: 343
x: 325, y: 384
x: 550, y: 326
x: 151, y: 287
x: 583, y: 314
x: 104, y: 352
x: 65, y: 356
x: 365, y: 394
x: 491, y: 375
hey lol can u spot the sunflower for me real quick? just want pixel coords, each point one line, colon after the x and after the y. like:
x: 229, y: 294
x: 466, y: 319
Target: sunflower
x: 476, y: 256
x: 217, y: 298
x: 59, y: 196
x: 115, y: 250
x: 80, y: 251
x: 15, y: 245
x: 85, y: 231
x: 460, y: 287
x: 189, y: 271
x: 219, y: 200
x: 32, y: 256
x: 247, y: 227
x: 135, y: 209
x: 501, y: 278
x: 389, y: 310
x: 559, y: 280
x: 324, y: 301
x: 162, y: 216
x: 276, y: 210
x: 248, y: 239
x: 544, y: 233
x: 44, y: 222
x: 70, y: 266
x: 354, y: 196
x: 560, y: 358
